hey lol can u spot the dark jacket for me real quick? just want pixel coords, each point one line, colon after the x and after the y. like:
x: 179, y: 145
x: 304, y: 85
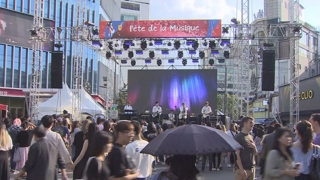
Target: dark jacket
x: 42, y: 160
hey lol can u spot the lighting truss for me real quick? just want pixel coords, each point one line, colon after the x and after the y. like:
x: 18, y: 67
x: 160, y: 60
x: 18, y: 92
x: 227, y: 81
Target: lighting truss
x: 294, y: 63
x: 83, y: 35
x: 78, y: 35
x: 37, y: 37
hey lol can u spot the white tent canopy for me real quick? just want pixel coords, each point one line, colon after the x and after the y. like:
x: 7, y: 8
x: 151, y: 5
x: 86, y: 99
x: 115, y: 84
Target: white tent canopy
x: 62, y: 100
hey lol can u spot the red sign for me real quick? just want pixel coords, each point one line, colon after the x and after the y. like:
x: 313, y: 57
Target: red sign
x: 160, y: 29
x: 3, y: 107
x: 99, y: 99
x: 11, y: 92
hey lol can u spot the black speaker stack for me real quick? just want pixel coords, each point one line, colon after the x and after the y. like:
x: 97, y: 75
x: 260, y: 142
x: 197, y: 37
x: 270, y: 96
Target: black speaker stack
x: 268, y: 70
x: 56, y: 69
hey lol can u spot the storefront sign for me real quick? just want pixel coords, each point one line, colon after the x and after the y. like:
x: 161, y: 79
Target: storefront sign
x: 306, y: 95
x: 11, y: 92
x: 259, y: 109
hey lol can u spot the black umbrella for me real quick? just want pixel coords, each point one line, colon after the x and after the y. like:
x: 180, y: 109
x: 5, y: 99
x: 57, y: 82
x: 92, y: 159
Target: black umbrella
x: 191, y: 140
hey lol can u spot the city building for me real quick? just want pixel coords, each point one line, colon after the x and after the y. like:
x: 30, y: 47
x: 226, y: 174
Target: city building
x: 278, y: 12
x: 16, y: 51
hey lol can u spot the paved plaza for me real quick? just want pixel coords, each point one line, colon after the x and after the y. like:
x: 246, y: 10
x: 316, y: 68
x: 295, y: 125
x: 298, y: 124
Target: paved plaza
x: 225, y: 174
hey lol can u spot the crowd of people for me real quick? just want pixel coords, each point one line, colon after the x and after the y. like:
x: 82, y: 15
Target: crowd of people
x: 103, y: 150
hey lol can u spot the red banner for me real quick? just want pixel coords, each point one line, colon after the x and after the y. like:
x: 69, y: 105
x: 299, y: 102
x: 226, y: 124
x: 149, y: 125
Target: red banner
x: 11, y: 92
x: 161, y: 29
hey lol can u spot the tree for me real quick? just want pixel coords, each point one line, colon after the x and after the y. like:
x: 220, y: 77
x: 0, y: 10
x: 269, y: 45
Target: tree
x: 230, y: 110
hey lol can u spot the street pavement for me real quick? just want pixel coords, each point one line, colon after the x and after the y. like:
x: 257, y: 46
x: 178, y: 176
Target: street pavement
x: 225, y: 174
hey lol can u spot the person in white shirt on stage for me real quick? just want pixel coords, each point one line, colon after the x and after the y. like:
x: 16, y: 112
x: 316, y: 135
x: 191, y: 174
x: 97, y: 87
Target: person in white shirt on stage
x: 183, y: 112
x: 128, y: 107
x: 171, y: 116
x: 156, y: 113
x: 143, y: 162
x: 206, y: 111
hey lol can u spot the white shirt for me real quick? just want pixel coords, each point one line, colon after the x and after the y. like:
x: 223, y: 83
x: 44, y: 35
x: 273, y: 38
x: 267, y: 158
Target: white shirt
x: 171, y: 116
x: 206, y: 110
x: 156, y: 109
x: 100, y: 126
x: 181, y: 109
x: 142, y: 161
x: 61, y: 147
x: 128, y: 107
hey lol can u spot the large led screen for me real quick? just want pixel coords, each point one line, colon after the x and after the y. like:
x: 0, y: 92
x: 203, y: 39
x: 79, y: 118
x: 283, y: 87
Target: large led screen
x: 171, y: 88
x: 14, y: 29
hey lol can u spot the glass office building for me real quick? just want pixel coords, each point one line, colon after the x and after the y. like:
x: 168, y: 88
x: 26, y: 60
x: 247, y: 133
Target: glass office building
x: 16, y: 50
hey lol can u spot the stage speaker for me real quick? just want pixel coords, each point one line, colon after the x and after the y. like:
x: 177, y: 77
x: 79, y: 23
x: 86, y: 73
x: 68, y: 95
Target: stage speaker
x: 56, y: 69
x: 269, y: 60
x: 267, y: 79
x: 268, y: 70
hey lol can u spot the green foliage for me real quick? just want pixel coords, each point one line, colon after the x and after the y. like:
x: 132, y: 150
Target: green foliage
x: 122, y: 100
x: 230, y: 110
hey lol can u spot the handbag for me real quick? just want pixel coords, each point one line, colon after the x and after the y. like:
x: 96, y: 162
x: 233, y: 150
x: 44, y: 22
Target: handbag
x: 16, y: 155
x: 86, y: 168
x: 315, y: 164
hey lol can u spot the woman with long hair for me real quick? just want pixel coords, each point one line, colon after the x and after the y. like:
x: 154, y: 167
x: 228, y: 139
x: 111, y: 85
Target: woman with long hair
x: 79, y: 138
x: 258, y: 135
x: 81, y: 161
x: 23, y: 145
x: 231, y: 132
x: 5, y: 146
x: 96, y: 168
x: 302, y: 149
x: 279, y: 162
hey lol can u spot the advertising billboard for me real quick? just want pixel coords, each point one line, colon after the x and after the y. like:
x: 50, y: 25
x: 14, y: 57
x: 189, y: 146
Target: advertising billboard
x: 14, y: 29
x: 161, y: 29
x: 309, y: 95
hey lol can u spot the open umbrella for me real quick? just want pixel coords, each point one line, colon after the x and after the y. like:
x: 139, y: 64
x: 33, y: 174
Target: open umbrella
x: 191, y: 140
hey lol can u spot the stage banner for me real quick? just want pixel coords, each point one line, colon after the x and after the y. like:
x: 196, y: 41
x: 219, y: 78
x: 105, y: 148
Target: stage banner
x: 161, y: 29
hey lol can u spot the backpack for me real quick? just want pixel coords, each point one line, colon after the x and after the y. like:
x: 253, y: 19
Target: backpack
x: 315, y: 164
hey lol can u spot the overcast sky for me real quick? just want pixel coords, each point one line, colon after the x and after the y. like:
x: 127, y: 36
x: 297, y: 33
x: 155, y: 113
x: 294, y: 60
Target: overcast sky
x: 220, y: 9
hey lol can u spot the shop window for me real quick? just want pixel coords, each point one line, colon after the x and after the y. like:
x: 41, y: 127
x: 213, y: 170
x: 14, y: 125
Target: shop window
x: 19, y: 5
x: 4, y: 3
x: 24, y: 55
x: 26, y: 6
x: 16, y: 67
x: 9, y: 66
x: 11, y: 4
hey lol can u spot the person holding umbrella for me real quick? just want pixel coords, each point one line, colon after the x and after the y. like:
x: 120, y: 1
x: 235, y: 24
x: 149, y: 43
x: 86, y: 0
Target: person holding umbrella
x: 180, y: 167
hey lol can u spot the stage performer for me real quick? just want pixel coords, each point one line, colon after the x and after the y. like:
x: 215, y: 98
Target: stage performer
x: 171, y: 116
x: 128, y: 107
x: 156, y: 113
x: 206, y: 111
x: 183, y: 112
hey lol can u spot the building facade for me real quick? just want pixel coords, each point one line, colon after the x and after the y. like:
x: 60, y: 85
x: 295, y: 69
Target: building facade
x: 16, y: 51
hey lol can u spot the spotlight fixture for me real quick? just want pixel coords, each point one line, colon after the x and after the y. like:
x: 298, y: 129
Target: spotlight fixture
x: 33, y: 33
x: 151, y: 54
x: 184, y: 62
x: 143, y: 44
x: 139, y: 52
x: 128, y: 42
x: 133, y: 62
x: 123, y: 61
x: 147, y: 61
x: 190, y: 42
x: 169, y: 43
x: 130, y: 54
x: 180, y: 54
x: 235, y: 21
x: 211, y: 62
x: 58, y: 45
x: 268, y: 44
x: 177, y: 44
x: 221, y: 61
x: 125, y: 46
x: 150, y: 43
x: 226, y: 54
x: 202, y: 54
x: 110, y: 46
x: 108, y: 55
x: 212, y: 44
x: 225, y: 30
x: 95, y: 32
x: 296, y: 29
x: 214, y: 52
x: 205, y: 43
x: 165, y: 51
x: 159, y: 62
x: 225, y: 42
x: 195, y: 45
